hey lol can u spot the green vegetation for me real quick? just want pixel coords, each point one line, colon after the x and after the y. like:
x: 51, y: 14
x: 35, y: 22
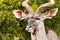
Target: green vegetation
x: 10, y: 26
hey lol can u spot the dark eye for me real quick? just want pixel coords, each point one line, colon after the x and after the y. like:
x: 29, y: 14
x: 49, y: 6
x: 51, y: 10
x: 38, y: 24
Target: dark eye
x: 37, y: 18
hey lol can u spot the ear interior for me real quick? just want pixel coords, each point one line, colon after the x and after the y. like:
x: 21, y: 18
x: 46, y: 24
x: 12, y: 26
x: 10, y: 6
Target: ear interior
x: 19, y: 14
x: 51, y: 13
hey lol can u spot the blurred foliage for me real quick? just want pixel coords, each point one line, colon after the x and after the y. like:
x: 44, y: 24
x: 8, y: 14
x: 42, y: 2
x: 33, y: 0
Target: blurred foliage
x: 10, y: 26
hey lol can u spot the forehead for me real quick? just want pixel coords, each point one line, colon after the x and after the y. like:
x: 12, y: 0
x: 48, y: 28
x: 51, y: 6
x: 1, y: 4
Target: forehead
x: 31, y: 20
x: 34, y: 18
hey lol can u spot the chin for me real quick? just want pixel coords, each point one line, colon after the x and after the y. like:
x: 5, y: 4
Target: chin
x: 31, y: 30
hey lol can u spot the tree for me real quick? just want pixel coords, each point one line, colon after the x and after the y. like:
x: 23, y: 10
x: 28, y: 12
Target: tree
x: 10, y: 26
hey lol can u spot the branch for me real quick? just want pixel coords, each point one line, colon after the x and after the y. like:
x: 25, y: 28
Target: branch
x: 51, y: 3
x: 26, y: 5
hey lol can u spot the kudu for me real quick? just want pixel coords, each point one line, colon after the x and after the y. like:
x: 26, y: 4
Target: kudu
x: 52, y: 35
x: 36, y: 19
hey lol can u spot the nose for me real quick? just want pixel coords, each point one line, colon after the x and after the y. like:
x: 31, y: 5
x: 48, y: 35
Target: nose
x: 27, y: 28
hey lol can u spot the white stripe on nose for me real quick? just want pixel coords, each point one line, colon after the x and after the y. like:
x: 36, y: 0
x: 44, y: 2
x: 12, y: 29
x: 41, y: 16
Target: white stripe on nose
x: 27, y: 28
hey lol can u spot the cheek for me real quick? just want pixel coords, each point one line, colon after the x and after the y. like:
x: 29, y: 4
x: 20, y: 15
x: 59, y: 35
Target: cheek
x: 37, y: 22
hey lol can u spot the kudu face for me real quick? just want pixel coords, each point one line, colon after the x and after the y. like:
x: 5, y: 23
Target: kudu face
x: 34, y: 18
x: 34, y: 21
x: 32, y: 24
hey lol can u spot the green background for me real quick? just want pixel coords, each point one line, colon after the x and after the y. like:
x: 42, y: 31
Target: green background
x: 11, y: 27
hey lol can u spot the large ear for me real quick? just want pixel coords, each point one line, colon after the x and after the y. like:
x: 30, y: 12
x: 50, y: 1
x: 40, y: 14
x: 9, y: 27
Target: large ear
x: 51, y: 13
x: 19, y: 14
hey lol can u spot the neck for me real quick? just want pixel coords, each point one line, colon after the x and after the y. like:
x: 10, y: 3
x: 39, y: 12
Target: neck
x: 39, y: 33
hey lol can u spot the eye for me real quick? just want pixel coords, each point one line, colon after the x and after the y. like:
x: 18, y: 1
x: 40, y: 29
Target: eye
x: 37, y: 18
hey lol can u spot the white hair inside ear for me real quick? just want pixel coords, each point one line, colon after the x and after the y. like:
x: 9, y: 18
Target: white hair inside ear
x: 50, y: 14
x: 19, y: 14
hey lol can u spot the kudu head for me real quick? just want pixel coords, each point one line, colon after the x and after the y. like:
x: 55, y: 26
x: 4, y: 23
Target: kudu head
x: 34, y: 18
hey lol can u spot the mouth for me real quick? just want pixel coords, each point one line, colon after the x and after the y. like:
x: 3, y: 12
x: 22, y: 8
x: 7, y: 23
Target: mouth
x: 30, y: 30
